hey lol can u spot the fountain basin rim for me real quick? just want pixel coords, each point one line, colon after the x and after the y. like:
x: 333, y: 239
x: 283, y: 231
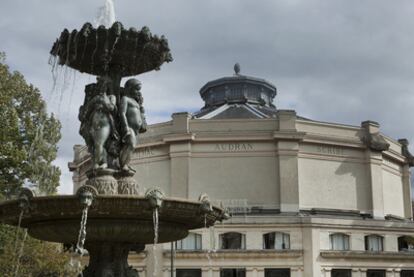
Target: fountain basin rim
x: 47, y: 208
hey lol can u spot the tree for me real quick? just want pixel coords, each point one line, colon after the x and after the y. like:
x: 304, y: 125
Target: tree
x: 28, y: 146
x: 28, y: 138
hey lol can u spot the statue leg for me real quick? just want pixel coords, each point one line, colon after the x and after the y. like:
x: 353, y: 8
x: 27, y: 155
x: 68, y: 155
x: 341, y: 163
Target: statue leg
x: 100, y: 132
x: 100, y: 155
x: 127, y: 149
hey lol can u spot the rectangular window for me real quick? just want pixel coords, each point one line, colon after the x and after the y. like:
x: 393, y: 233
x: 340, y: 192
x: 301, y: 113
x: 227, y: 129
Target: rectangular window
x: 233, y: 272
x: 341, y: 273
x: 339, y: 241
x: 407, y: 273
x: 373, y: 243
x: 406, y: 243
x: 277, y: 272
x: 191, y: 242
x: 276, y: 240
x: 188, y: 272
x: 375, y: 273
x: 282, y: 241
x: 232, y: 240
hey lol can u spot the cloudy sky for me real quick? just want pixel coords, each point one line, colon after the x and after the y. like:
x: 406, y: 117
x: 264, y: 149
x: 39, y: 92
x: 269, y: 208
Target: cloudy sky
x: 331, y: 60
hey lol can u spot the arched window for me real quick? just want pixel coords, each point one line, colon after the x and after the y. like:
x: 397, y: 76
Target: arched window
x: 276, y: 240
x: 373, y: 243
x: 191, y: 242
x: 406, y: 243
x: 232, y: 240
x: 339, y: 241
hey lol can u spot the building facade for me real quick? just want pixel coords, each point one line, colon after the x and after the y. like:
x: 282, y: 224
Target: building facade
x: 307, y: 198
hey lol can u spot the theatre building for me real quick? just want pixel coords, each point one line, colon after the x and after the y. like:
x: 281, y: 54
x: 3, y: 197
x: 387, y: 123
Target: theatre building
x: 307, y: 198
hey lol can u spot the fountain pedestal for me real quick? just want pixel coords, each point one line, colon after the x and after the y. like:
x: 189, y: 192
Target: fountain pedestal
x: 108, y: 259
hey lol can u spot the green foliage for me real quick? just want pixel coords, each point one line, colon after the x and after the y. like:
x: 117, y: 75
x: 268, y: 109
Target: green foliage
x: 36, y: 258
x: 29, y: 136
x: 28, y: 145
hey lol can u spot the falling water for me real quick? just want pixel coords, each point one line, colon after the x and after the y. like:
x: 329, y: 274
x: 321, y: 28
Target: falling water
x: 16, y: 239
x: 208, y: 254
x: 154, y: 246
x: 53, y: 61
x: 73, y: 88
x: 106, y: 14
x: 81, y: 238
x: 82, y: 232
x: 20, y: 254
x: 72, y: 91
x: 64, y: 86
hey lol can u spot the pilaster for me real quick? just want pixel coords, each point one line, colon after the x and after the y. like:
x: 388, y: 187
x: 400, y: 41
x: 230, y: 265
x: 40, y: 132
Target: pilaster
x: 260, y: 272
x: 389, y: 273
x: 374, y: 158
x: 356, y: 272
x: 287, y: 144
x: 254, y: 240
x: 207, y: 272
x: 296, y: 272
x: 180, y: 154
x: 357, y: 242
x: 251, y: 272
x: 408, y: 211
x: 391, y: 243
x: 327, y: 272
x: 363, y: 272
x: 311, y: 266
x: 397, y: 272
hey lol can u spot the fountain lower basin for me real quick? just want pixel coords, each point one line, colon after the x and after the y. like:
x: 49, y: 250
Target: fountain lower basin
x: 111, y: 218
x: 116, y: 224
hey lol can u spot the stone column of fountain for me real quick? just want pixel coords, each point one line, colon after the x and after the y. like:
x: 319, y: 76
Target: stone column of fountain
x: 107, y: 216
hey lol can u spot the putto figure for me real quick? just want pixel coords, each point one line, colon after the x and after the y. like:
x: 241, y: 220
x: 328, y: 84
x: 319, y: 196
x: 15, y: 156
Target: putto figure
x: 132, y: 118
x: 97, y: 120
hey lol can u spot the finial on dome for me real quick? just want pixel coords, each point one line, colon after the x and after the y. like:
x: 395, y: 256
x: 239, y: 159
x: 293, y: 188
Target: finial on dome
x: 237, y: 68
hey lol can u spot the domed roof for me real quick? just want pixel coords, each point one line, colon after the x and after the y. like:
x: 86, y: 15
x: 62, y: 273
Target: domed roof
x: 237, y: 96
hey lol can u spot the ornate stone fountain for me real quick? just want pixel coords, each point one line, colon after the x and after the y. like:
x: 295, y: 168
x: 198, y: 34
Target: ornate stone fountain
x: 107, y: 216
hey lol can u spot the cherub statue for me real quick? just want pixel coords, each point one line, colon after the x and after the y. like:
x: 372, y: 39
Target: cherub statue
x: 132, y: 118
x: 97, y: 121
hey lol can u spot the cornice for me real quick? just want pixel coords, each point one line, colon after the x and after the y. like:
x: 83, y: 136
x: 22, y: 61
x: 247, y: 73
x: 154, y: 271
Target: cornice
x: 181, y: 137
x: 234, y: 254
x: 367, y: 255
x: 289, y: 135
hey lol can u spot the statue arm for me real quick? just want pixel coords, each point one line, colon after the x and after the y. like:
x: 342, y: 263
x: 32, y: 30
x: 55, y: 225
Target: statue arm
x: 143, y: 127
x: 112, y: 101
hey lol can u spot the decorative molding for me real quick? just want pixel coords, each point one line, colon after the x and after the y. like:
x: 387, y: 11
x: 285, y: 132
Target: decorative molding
x: 234, y: 254
x: 178, y: 137
x: 332, y: 254
x: 286, y: 135
x: 405, y: 152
